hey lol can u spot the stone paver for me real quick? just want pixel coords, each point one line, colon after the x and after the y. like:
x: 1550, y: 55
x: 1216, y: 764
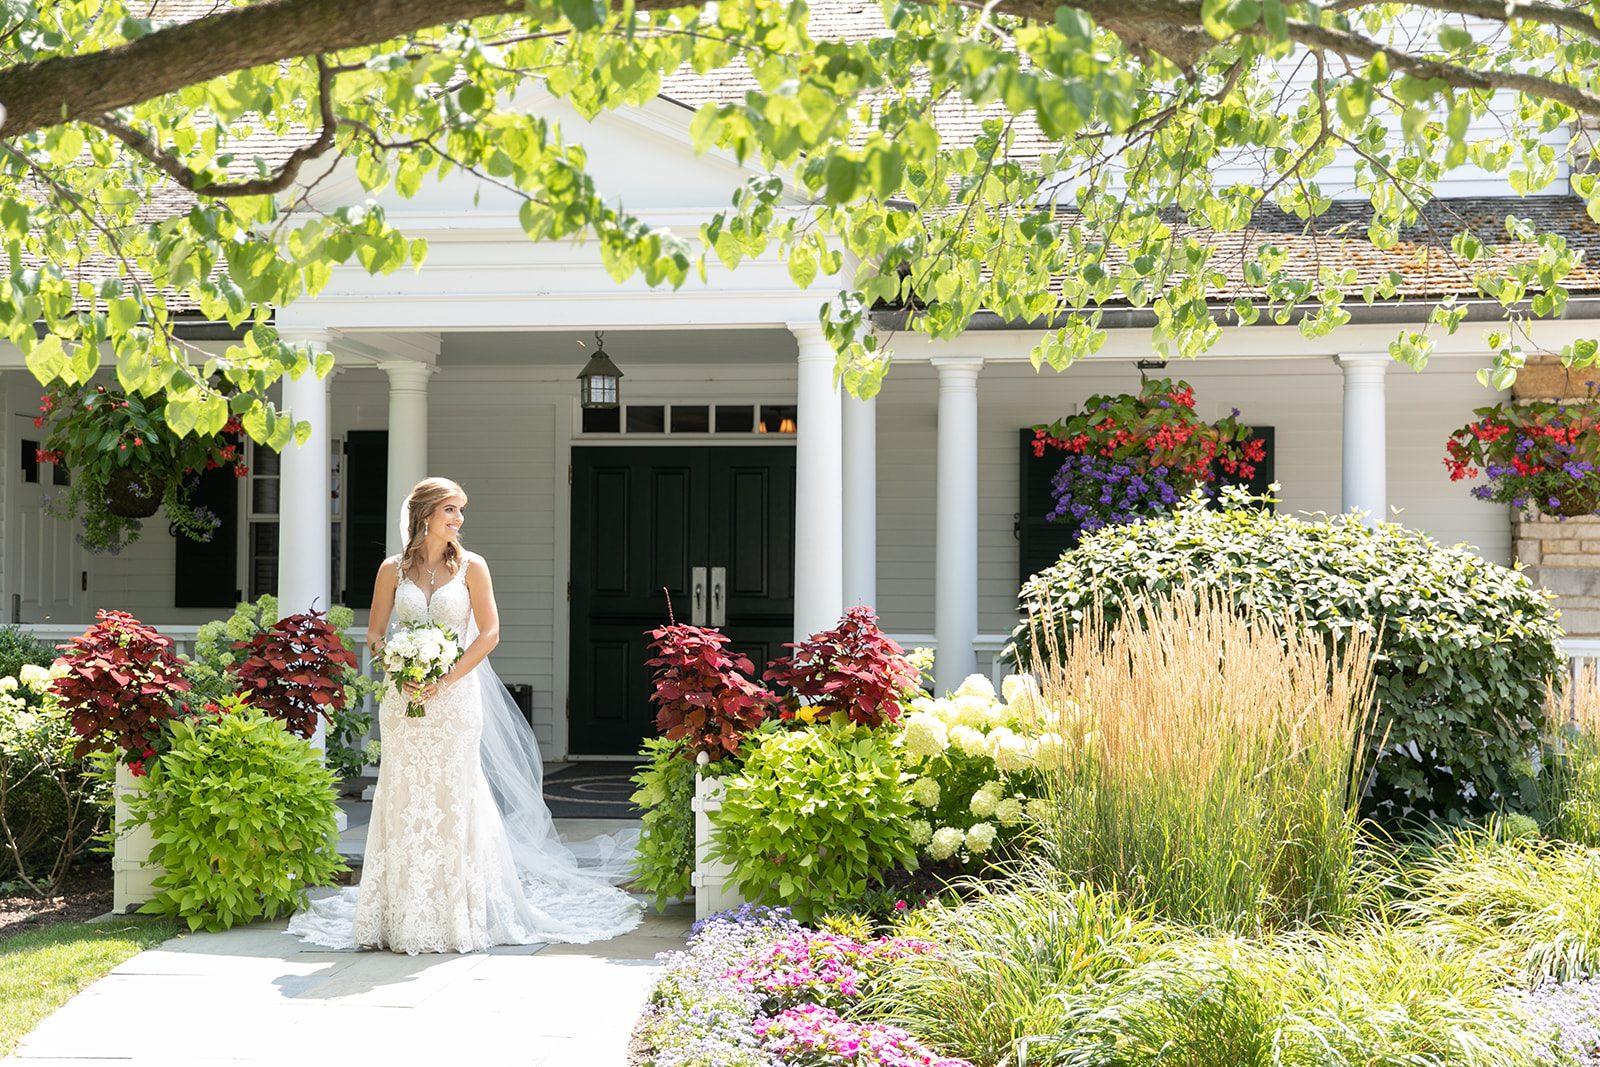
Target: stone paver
x: 255, y: 995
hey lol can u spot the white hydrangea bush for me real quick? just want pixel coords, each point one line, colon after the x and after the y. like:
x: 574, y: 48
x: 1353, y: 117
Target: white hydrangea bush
x: 976, y: 757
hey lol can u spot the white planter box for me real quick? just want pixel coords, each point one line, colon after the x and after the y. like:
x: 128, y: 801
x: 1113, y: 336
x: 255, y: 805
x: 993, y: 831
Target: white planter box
x: 133, y: 875
x: 713, y: 889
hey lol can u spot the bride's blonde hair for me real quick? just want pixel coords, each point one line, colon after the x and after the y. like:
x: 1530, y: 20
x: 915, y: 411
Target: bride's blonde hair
x: 425, y: 498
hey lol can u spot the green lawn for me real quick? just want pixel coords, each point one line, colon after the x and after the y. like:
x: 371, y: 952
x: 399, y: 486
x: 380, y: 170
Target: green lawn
x: 40, y: 970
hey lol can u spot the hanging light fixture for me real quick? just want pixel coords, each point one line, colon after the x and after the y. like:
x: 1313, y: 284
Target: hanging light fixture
x: 600, y: 382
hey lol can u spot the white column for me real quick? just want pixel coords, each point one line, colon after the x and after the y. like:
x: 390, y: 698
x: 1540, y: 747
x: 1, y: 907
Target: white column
x: 955, y: 591
x: 860, y: 501
x: 819, y: 494
x: 305, y: 554
x: 408, y: 438
x: 1364, y: 480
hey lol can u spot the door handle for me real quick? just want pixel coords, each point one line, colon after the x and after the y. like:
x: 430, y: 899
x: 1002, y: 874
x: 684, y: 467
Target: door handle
x: 697, y: 596
x: 719, y: 596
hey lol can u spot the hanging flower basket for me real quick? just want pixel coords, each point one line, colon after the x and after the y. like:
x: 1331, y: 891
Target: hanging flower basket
x: 1129, y: 457
x: 131, y: 494
x: 1538, y: 456
x: 126, y: 463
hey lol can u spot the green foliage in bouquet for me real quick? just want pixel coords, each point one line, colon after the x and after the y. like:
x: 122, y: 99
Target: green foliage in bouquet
x: 666, y: 841
x: 243, y: 814
x: 815, y: 814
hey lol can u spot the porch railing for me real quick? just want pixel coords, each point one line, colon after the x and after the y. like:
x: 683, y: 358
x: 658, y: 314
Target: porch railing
x: 987, y: 647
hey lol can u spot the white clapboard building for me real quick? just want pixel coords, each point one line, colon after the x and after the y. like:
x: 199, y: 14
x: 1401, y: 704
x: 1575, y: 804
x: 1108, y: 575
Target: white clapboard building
x: 734, y: 477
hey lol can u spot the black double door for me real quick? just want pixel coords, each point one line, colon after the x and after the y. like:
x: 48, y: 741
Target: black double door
x: 710, y: 530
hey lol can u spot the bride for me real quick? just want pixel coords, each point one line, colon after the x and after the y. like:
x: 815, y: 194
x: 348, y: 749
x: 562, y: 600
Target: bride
x: 461, y: 850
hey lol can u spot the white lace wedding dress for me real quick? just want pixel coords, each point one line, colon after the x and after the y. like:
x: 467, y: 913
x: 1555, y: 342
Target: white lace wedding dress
x: 441, y: 873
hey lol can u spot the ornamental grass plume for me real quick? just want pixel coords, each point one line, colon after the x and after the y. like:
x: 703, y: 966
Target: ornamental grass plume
x: 1571, y: 779
x: 1212, y: 762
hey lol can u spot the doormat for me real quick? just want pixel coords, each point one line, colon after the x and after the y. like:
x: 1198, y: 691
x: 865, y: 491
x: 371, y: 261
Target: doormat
x: 592, y: 791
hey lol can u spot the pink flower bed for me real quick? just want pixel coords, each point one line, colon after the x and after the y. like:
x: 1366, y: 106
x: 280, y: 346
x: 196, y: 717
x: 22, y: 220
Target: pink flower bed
x: 814, y: 1036
x: 820, y: 968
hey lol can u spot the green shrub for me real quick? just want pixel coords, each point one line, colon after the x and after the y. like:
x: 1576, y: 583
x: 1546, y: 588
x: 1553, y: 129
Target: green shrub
x: 1466, y: 645
x: 18, y: 646
x: 52, y: 802
x: 1377, y: 997
x: 813, y: 815
x: 1205, y: 765
x: 1011, y: 962
x: 665, y: 859
x: 243, y: 815
x: 1047, y: 973
x: 1519, y: 902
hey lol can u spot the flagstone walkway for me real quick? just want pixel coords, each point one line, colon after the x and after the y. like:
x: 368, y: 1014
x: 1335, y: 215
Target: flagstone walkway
x: 255, y: 995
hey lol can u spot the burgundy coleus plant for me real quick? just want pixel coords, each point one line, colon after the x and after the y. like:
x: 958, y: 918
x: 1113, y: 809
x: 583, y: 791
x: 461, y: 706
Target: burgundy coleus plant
x: 122, y: 682
x: 296, y: 670
x: 853, y: 669
x: 703, y: 692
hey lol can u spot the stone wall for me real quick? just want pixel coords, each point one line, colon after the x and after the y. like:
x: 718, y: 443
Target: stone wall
x: 1563, y: 555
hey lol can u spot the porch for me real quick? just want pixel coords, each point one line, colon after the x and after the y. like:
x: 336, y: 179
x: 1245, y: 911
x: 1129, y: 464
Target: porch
x: 914, y: 502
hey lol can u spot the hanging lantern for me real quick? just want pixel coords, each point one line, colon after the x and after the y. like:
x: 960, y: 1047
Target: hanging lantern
x: 600, y: 382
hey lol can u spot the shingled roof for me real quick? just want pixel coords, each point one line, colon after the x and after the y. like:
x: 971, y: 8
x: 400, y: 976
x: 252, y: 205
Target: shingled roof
x: 1423, y: 260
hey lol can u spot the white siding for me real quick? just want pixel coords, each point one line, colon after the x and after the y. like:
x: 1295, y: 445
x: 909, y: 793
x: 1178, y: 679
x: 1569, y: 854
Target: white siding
x: 1302, y: 399
x: 505, y: 432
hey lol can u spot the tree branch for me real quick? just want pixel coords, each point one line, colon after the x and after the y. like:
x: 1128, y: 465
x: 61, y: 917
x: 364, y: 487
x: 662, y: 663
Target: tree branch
x: 180, y: 172
x: 83, y: 87
x: 1501, y: 11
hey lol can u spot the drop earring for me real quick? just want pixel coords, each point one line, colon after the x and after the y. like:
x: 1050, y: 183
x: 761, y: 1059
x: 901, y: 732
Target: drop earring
x: 424, y: 529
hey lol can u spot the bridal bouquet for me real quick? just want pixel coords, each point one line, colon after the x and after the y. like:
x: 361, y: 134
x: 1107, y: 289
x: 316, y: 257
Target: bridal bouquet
x: 420, y: 653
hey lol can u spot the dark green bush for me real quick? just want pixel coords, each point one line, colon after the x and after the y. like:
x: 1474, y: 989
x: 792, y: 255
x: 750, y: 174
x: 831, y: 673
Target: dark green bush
x: 18, y: 646
x: 1466, y: 645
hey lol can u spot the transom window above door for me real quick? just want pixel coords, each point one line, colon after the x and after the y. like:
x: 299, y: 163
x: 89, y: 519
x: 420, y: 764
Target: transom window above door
x: 653, y: 420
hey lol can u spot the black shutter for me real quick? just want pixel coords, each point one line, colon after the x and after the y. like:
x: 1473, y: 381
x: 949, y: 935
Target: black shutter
x: 208, y: 571
x: 366, y: 501
x: 1040, y: 541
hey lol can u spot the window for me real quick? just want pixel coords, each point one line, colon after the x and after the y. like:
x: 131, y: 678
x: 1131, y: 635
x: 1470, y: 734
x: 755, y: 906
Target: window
x: 701, y: 419
x: 262, y: 521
